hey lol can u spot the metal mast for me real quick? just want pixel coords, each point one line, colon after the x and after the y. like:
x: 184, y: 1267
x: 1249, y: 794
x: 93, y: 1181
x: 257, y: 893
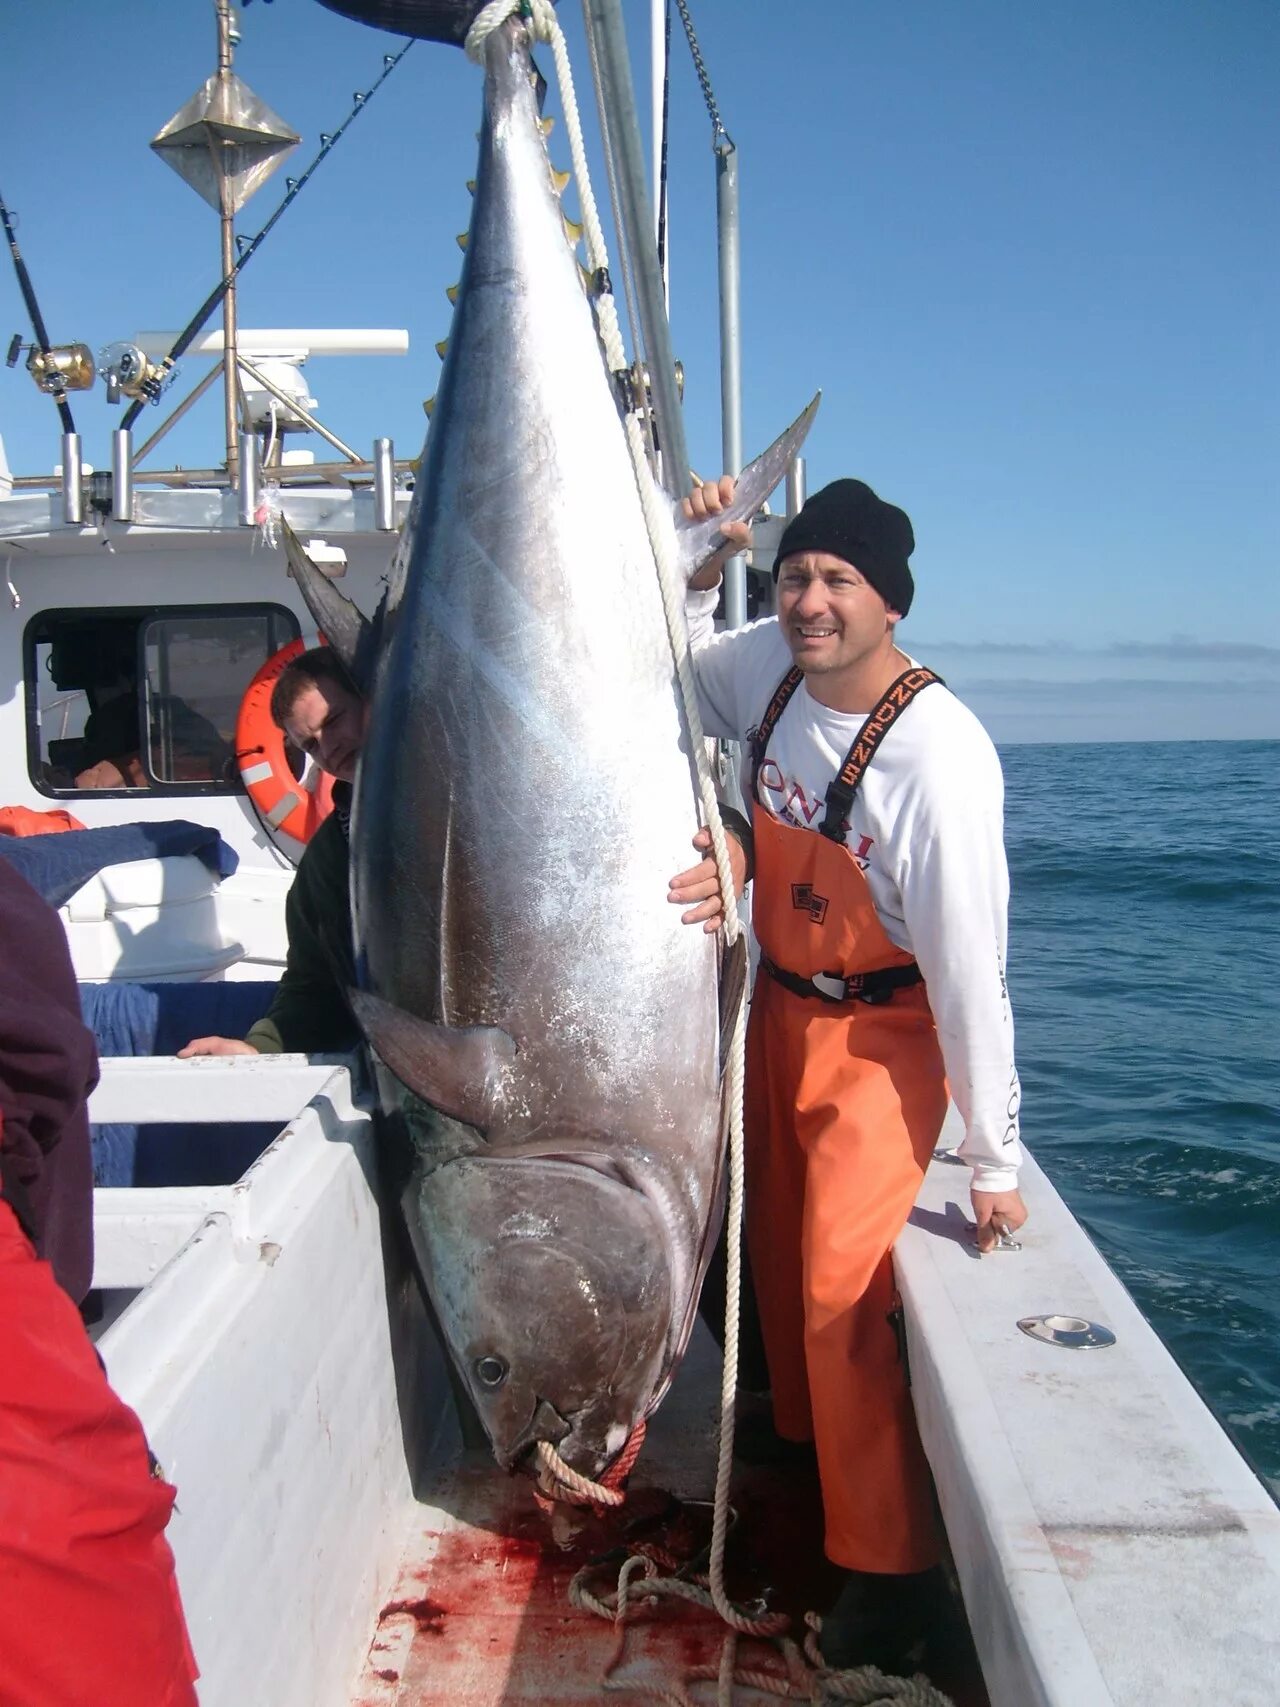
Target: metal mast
x: 225, y: 143
x: 607, y: 32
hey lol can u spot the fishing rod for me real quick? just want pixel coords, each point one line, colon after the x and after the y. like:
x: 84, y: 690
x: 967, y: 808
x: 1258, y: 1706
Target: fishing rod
x: 151, y: 386
x: 56, y: 384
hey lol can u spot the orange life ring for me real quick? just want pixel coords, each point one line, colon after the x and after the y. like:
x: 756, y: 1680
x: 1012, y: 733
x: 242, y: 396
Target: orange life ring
x: 284, y: 804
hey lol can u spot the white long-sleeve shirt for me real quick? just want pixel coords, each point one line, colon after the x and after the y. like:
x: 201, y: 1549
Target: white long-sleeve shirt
x: 927, y: 829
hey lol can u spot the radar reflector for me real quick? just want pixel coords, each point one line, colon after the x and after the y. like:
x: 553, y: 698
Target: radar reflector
x: 225, y: 132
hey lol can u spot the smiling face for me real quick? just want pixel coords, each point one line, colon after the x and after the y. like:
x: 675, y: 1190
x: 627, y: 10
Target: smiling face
x: 837, y: 625
x: 327, y: 722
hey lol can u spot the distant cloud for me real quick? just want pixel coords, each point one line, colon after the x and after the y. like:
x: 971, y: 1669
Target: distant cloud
x: 986, y: 648
x: 1031, y: 687
x: 1178, y: 648
x: 1181, y: 646
x: 1125, y: 708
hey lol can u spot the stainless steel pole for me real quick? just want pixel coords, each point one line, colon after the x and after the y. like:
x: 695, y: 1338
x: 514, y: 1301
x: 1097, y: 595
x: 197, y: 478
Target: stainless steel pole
x: 231, y: 388
x: 122, y: 475
x: 617, y: 96
x: 384, y: 485
x: 735, y: 572
x: 795, y: 487
x: 72, y: 480
x: 250, y: 461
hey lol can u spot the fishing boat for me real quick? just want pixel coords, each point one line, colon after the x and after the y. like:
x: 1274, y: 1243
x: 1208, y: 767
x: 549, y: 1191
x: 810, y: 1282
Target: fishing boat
x: 339, y: 1540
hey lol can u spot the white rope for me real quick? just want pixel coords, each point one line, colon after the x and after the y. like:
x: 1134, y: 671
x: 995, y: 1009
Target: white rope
x: 545, y: 27
x: 576, y: 1483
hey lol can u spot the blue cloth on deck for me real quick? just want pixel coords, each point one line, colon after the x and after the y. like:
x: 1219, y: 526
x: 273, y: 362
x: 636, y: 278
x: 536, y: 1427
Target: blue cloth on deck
x: 56, y: 866
x: 158, y: 1019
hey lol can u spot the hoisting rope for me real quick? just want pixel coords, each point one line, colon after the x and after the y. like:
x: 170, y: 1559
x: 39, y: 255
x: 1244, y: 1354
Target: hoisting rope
x: 539, y: 16
x: 542, y: 20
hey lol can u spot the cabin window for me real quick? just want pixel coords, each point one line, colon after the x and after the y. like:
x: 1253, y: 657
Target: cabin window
x: 140, y: 700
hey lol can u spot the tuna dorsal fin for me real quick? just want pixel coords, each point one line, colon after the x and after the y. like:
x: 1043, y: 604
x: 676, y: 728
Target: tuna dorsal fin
x: 344, y: 625
x: 461, y: 1070
x: 701, y: 540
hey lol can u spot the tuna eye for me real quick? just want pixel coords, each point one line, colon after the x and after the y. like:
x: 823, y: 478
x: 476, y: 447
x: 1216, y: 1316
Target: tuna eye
x: 491, y: 1371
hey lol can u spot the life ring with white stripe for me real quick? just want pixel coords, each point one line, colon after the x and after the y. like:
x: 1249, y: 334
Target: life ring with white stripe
x: 287, y: 805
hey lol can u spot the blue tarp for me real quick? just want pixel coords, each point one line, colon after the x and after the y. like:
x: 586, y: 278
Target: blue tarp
x: 56, y: 866
x: 157, y: 1019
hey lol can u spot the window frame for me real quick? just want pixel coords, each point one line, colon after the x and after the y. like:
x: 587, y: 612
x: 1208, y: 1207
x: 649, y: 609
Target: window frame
x: 144, y: 615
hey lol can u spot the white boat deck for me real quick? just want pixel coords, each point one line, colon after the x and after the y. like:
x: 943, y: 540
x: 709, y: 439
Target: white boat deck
x: 1112, y: 1545
x: 336, y: 1547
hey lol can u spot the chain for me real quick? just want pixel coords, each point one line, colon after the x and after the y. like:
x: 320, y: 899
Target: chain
x: 699, y: 65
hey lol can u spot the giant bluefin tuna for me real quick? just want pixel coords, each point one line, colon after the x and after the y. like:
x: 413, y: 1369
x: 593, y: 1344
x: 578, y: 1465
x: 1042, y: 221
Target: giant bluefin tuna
x: 548, y: 1030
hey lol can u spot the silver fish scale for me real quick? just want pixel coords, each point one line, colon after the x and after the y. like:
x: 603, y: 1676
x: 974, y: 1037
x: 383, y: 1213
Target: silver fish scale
x: 525, y: 790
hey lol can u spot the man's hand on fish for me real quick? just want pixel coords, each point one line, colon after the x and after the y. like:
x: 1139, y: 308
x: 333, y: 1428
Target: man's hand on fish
x: 707, y: 500
x: 699, y: 887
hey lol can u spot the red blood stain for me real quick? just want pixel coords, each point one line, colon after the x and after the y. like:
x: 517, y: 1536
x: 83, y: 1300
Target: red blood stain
x: 425, y: 1614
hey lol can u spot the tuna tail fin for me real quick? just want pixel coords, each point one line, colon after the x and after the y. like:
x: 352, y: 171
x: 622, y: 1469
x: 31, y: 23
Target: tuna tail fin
x: 701, y: 540
x: 462, y: 1071
x: 347, y: 630
x: 428, y: 20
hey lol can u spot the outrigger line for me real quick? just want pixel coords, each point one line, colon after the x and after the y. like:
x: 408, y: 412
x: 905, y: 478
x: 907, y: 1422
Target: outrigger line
x: 154, y: 385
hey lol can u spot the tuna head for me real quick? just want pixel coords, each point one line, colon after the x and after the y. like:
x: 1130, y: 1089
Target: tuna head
x: 542, y: 1273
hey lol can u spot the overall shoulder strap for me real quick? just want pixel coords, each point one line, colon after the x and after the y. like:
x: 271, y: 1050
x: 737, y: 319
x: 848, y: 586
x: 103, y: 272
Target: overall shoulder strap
x: 769, y: 722
x: 842, y: 790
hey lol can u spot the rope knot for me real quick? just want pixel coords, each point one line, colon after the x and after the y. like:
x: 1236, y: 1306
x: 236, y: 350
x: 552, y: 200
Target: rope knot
x: 538, y: 15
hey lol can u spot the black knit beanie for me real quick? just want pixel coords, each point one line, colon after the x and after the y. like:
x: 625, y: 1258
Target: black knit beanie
x: 849, y: 521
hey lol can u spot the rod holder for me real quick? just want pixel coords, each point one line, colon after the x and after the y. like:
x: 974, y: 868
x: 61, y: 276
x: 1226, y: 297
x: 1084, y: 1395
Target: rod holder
x: 122, y: 475
x: 795, y: 486
x: 250, y: 481
x: 384, y: 485
x: 72, y: 480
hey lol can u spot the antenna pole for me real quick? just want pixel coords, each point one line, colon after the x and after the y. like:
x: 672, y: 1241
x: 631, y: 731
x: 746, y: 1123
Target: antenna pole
x: 226, y: 209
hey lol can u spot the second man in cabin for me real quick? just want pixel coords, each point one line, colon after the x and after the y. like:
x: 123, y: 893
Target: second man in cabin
x: 324, y: 716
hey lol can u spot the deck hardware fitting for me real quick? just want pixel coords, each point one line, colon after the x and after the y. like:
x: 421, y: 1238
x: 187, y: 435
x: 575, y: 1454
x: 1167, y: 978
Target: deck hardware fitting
x: 1071, y: 1332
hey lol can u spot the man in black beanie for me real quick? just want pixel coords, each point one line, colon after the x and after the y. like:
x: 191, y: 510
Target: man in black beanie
x: 880, y: 906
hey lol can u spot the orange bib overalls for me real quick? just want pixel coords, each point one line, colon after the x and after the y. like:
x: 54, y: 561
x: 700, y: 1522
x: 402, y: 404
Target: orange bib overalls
x: 844, y: 1103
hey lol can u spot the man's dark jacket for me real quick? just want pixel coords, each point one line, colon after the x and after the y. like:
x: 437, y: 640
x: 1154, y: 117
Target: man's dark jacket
x: 309, y: 1011
x: 48, y: 1066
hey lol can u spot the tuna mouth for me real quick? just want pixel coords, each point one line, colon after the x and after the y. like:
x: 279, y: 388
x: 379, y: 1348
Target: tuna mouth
x: 545, y: 1423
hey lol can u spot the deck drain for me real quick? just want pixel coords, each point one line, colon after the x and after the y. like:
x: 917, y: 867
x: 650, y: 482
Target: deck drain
x: 1073, y: 1332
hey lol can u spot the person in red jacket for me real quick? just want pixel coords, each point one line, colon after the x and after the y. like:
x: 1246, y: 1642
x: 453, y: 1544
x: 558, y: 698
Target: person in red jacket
x: 89, y: 1607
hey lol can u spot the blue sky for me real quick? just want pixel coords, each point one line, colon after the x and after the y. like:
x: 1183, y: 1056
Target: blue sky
x: 1026, y: 249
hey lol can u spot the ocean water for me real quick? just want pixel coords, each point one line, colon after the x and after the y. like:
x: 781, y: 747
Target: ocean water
x: 1145, y: 975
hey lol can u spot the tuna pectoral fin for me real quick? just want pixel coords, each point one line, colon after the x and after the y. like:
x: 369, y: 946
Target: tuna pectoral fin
x: 345, y: 627
x: 701, y: 540
x: 462, y: 1071
x: 733, y: 987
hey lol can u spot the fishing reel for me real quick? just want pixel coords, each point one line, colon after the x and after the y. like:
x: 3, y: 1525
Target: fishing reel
x: 57, y: 370
x: 129, y: 372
